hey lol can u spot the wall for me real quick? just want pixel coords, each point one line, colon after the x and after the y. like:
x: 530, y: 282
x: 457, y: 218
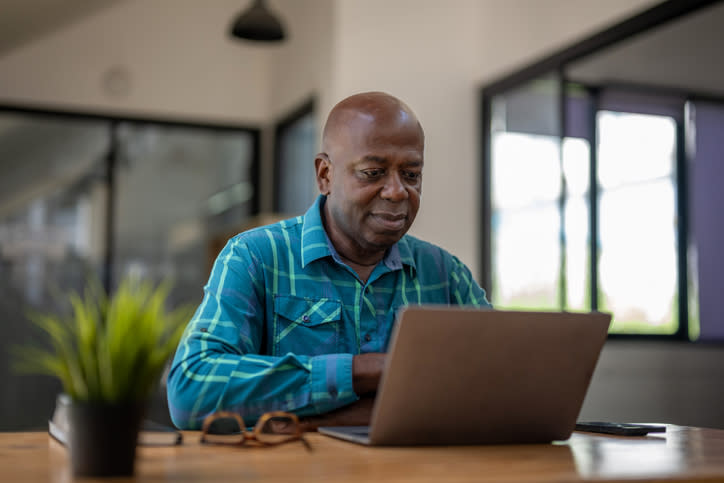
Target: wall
x: 301, y: 68
x: 664, y: 382
x: 435, y: 56
x: 162, y: 58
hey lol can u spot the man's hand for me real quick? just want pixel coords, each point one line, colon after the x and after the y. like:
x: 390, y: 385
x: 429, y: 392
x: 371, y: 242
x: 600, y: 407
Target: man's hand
x: 356, y: 414
x: 366, y: 372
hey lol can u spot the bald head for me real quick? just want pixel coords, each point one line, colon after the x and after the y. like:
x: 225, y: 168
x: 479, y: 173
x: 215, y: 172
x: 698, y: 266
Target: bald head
x: 354, y: 116
x: 370, y: 170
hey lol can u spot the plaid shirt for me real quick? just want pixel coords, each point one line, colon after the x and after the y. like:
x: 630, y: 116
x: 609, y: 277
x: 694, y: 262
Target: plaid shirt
x: 282, y: 317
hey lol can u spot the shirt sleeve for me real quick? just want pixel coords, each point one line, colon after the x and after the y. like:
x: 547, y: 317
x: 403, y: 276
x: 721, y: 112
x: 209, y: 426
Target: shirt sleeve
x: 464, y: 290
x: 218, y: 364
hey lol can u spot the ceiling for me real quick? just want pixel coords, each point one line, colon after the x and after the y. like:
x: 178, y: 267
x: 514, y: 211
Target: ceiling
x: 22, y: 21
x: 685, y: 54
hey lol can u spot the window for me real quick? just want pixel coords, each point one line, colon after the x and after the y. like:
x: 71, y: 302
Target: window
x: 556, y: 243
x: 176, y: 186
x: 84, y: 195
x: 296, y: 147
x: 643, y: 238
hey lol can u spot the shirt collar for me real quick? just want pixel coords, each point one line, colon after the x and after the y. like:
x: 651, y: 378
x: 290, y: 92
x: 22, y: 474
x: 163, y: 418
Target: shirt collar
x: 316, y: 244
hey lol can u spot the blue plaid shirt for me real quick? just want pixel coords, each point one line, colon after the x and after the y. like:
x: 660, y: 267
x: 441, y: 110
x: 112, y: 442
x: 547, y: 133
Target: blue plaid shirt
x: 282, y: 317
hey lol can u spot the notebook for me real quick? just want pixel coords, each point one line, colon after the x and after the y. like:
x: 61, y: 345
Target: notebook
x: 457, y: 375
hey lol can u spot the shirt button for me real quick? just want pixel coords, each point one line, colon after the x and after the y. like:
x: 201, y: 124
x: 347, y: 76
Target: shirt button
x: 305, y: 318
x: 368, y: 337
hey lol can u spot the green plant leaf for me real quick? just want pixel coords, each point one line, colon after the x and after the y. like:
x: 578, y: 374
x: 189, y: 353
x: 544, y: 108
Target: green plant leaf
x: 111, y: 349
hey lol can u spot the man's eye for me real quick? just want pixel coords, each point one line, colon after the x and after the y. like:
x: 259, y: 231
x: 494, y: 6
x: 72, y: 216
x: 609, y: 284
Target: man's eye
x: 412, y: 175
x: 372, y: 173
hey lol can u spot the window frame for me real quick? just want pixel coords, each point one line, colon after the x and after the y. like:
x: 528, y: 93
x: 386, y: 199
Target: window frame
x: 557, y: 62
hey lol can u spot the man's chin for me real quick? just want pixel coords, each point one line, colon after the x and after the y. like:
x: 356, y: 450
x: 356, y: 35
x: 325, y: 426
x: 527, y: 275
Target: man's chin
x: 385, y: 239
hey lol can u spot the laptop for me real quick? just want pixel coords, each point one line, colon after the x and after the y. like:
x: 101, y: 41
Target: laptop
x: 459, y: 375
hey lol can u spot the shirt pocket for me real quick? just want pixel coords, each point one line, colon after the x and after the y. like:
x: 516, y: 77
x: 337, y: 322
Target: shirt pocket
x: 306, y: 325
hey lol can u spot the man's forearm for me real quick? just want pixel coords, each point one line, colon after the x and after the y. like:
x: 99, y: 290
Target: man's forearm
x: 254, y: 384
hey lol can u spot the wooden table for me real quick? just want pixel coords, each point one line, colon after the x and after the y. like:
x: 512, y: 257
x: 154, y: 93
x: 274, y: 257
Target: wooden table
x: 682, y: 454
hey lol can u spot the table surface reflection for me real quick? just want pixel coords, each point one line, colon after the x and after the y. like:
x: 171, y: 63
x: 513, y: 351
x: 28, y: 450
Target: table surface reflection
x: 681, y: 454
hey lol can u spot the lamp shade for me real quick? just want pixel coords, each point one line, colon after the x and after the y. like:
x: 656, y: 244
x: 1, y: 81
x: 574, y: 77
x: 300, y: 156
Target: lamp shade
x: 257, y: 23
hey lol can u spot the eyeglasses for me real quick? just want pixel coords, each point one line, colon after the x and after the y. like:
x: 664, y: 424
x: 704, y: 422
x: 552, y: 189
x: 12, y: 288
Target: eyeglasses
x: 273, y: 428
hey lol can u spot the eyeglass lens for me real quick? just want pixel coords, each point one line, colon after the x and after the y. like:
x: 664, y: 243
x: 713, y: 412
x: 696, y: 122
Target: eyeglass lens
x: 277, y: 429
x: 224, y: 430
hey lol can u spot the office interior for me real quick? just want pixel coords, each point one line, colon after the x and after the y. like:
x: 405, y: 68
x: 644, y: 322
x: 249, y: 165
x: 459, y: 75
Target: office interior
x: 194, y: 136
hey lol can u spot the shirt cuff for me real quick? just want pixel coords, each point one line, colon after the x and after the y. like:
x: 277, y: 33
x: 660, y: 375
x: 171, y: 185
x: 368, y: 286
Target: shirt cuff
x: 332, y: 382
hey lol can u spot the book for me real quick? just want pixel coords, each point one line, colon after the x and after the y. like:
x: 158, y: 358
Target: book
x: 151, y: 433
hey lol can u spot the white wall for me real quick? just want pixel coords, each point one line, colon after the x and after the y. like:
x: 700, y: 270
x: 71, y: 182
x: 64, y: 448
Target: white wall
x: 174, y: 55
x: 424, y: 53
x: 435, y: 55
x: 302, y: 66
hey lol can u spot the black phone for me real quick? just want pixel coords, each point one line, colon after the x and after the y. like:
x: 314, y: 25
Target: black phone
x: 621, y: 429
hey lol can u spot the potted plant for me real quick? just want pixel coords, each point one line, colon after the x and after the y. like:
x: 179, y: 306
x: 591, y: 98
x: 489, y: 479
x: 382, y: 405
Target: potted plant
x: 109, y: 354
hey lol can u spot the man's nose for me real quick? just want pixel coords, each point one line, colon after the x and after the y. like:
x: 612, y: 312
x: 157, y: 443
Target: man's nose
x: 394, y: 189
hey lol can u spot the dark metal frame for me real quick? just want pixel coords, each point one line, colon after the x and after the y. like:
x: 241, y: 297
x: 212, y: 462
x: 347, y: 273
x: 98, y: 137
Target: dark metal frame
x: 682, y: 228
x: 557, y: 63
x: 111, y: 160
x: 638, y: 24
x: 593, y: 194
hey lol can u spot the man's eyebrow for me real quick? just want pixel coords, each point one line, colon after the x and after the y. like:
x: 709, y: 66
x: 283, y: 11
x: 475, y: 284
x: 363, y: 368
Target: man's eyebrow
x: 383, y: 160
x: 375, y: 159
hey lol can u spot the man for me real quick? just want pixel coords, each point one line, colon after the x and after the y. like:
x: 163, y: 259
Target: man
x: 297, y: 315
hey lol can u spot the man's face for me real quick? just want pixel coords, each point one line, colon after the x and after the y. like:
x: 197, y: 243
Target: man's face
x: 375, y: 184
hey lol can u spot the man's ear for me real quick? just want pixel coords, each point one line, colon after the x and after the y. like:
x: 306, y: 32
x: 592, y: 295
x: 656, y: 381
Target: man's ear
x: 323, y: 166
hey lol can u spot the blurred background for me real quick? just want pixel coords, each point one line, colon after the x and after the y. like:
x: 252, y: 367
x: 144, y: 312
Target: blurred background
x: 137, y: 136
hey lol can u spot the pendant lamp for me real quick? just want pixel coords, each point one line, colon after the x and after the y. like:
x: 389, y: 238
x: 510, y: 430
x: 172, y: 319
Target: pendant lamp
x: 257, y: 23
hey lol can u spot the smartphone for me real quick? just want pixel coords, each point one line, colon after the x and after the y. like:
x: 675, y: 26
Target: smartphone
x: 621, y: 429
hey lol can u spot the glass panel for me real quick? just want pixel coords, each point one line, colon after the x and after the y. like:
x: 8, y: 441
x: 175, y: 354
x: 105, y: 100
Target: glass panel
x: 526, y: 186
x: 634, y: 148
x: 52, y: 208
x: 296, y: 176
x: 177, y: 188
x: 637, y: 264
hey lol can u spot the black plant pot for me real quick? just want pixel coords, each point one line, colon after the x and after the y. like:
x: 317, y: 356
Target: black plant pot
x: 103, y: 437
